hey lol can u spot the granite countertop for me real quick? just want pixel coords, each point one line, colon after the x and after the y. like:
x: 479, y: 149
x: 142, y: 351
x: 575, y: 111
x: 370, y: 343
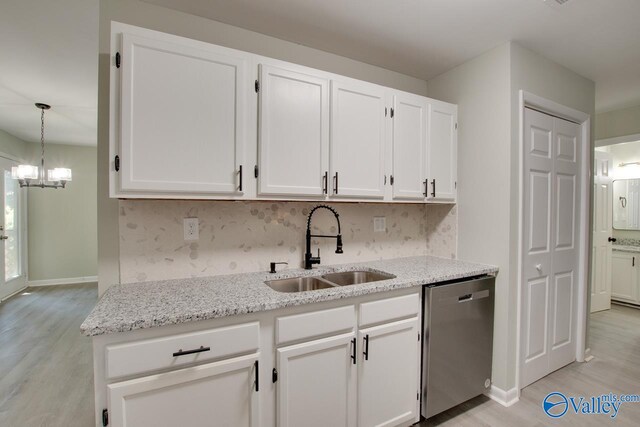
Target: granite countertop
x: 151, y: 304
x: 626, y: 248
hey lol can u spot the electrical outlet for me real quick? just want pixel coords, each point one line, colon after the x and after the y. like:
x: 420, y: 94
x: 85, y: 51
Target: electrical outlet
x: 191, y: 231
x: 379, y: 224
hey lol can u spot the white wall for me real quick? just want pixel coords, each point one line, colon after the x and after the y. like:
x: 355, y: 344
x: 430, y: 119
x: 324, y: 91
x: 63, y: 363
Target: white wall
x: 166, y: 20
x: 618, y: 123
x: 486, y: 90
x: 481, y: 88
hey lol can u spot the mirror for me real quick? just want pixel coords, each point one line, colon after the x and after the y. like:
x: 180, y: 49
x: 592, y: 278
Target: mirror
x: 626, y: 204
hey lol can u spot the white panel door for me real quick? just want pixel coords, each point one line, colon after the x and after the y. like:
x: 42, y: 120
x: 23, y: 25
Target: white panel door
x: 216, y: 394
x: 624, y: 281
x: 602, y: 230
x: 409, y: 146
x: 550, y: 244
x: 442, y: 152
x: 13, y: 228
x: 182, y: 117
x: 357, y: 140
x: 317, y: 383
x: 388, y: 372
x: 293, y: 147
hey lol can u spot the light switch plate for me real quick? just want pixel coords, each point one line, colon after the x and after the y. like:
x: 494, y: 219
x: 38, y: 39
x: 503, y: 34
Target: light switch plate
x: 191, y: 229
x: 379, y: 224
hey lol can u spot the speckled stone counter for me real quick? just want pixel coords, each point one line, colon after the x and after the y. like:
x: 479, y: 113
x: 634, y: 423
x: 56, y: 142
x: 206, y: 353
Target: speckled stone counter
x: 152, y: 304
x: 626, y: 248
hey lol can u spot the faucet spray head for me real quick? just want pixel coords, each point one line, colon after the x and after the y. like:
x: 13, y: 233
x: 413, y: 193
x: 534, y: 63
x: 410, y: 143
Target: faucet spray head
x: 339, y: 244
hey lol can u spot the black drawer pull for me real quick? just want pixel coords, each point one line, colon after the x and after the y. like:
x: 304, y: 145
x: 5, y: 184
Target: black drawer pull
x: 195, y: 350
x: 366, y: 347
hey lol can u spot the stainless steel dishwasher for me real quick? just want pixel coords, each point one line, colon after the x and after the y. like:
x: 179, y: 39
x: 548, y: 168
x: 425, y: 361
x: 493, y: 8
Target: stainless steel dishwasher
x: 458, y: 343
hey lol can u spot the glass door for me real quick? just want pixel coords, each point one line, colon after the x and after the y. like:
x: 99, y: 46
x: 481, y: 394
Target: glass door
x: 12, y: 232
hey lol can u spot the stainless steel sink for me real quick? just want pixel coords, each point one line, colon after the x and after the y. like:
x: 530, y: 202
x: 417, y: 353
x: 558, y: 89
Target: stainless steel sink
x: 356, y: 277
x: 299, y: 284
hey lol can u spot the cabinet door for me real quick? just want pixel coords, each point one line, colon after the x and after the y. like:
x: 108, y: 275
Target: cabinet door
x: 442, y: 151
x: 357, y: 140
x: 216, y: 394
x: 182, y: 117
x: 624, y: 276
x: 409, y: 146
x: 294, y: 133
x: 317, y: 383
x: 388, y: 389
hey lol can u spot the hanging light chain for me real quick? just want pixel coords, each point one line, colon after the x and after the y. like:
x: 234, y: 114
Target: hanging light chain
x: 42, y: 141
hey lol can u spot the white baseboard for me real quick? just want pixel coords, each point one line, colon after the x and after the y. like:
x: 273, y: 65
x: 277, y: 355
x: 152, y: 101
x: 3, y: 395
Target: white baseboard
x: 67, y: 281
x: 505, y: 398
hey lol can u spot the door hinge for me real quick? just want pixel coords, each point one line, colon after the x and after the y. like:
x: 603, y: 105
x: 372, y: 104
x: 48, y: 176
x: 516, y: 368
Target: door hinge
x: 392, y: 112
x: 455, y: 184
x: 274, y: 375
x: 117, y: 59
x: 255, y: 171
x: 257, y: 86
x: 418, y: 396
x: 116, y: 163
x: 456, y: 126
x: 418, y: 336
x: 105, y: 417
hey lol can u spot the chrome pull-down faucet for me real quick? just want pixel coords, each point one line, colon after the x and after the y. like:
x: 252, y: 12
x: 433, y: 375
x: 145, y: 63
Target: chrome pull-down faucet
x: 309, y: 259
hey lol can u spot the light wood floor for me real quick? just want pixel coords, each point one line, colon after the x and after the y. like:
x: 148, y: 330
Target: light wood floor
x: 46, y: 368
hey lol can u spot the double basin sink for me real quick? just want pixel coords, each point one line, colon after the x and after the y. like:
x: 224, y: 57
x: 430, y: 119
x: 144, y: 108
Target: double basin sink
x: 327, y: 281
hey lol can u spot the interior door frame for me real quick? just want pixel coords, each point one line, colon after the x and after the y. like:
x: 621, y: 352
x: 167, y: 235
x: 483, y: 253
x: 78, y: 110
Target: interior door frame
x: 24, y: 230
x: 527, y: 99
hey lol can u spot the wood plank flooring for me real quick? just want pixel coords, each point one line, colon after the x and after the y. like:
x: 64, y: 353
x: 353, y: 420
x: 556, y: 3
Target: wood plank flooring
x: 46, y: 366
x: 46, y: 373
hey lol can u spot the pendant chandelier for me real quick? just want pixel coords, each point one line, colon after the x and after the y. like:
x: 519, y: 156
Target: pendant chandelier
x: 32, y: 176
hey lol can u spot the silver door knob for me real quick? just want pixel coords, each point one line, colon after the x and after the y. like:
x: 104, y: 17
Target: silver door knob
x: 539, y: 267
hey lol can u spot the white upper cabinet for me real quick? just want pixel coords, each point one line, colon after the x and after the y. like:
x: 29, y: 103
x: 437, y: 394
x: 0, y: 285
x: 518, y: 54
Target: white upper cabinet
x: 409, y: 146
x: 182, y: 116
x: 293, y: 133
x: 442, y: 152
x: 357, y: 140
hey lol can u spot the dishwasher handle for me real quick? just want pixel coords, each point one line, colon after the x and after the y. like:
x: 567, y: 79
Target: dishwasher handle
x: 468, y: 297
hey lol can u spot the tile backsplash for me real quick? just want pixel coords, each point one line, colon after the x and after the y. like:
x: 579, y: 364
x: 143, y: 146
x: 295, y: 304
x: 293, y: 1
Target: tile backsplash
x: 238, y: 236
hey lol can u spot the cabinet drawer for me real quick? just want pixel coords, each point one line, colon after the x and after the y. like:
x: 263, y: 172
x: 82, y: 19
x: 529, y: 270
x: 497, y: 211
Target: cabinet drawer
x: 315, y: 324
x: 389, y: 309
x: 158, y: 353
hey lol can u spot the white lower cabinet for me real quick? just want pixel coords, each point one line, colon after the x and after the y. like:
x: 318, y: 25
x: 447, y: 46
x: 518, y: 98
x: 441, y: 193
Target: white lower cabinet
x: 317, y: 383
x: 346, y: 364
x: 624, y: 277
x: 215, y: 394
x: 388, y: 389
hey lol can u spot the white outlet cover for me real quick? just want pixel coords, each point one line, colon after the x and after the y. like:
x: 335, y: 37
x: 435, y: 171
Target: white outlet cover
x: 191, y: 229
x: 379, y: 224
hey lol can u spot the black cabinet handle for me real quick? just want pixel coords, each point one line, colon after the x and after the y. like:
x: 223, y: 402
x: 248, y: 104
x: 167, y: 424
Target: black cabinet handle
x: 257, y: 370
x: 426, y: 188
x: 325, y: 182
x: 366, y: 347
x: 195, y: 350
x: 353, y: 351
x: 612, y: 239
x: 433, y: 182
x: 633, y: 262
x: 335, y: 183
x: 240, y: 173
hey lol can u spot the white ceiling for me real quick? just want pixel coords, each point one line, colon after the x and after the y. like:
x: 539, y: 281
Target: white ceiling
x: 599, y: 39
x: 49, y: 53
x: 48, y: 49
